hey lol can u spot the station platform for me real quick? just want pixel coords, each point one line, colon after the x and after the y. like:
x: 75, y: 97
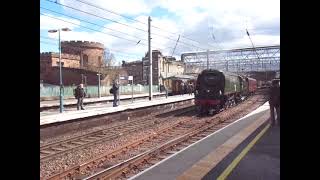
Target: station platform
x: 262, y: 161
x: 56, y: 103
x: 248, y: 148
x: 106, y: 108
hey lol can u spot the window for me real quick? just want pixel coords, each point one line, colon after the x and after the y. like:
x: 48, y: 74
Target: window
x: 99, y: 61
x: 85, y: 60
x: 58, y: 64
x: 163, y: 66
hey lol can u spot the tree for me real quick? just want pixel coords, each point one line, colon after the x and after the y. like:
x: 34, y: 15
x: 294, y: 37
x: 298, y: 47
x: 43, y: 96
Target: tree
x: 109, y: 58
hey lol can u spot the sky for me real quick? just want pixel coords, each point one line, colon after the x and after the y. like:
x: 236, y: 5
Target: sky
x: 121, y: 24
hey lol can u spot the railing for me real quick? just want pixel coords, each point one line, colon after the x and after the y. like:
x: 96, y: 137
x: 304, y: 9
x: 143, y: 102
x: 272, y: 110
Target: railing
x: 92, y: 91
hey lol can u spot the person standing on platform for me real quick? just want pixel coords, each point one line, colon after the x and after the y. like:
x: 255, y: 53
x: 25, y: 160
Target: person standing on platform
x: 186, y: 87
x: 182, y: 88
x: 190, y: 89
x: 274, y: 101
x: 79, y: 94
x: 165, y: 90
x: 115, y: 91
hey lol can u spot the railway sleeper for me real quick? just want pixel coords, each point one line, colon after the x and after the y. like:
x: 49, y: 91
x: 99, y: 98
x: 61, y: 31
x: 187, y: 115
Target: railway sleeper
x: 202, y: 135
x: 171, y: 152
x: 162, y: 156
x: 77, y: 143
x: 57, y: 149
x: 185, y: 144
x: 100, y: 136
x: 153, y: 161
x: 195, y: 138
x: 93, y: 138
x: 87, y: 140
x: 46, y: 152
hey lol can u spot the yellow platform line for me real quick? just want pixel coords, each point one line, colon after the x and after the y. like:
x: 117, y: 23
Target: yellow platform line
x: 236, y: 161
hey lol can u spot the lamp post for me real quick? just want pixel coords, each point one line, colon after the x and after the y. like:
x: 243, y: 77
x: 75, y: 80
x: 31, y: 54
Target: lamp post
x: 85, y: 83
x: 99, y: 95
x: 81, y: 65
x: 132, y: 82
x: 119, y: 88
x: 60, y: 67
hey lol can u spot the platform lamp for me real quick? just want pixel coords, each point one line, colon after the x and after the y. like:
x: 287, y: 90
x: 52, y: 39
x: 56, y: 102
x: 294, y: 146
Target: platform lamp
x: 60, y: 70
x: 99, y: 94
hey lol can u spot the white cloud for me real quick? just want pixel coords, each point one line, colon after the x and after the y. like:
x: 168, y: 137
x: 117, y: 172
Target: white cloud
x: 196, y: 19
x: 232, y: 15
x: 125, y: 7
x: 258, y: 40
x: 47, y: 23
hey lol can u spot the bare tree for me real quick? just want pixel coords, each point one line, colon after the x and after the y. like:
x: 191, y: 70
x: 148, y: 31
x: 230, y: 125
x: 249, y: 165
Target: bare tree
x: 109, y: 58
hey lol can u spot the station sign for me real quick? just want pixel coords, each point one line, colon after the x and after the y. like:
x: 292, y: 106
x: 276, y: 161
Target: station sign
x: 126, y: 78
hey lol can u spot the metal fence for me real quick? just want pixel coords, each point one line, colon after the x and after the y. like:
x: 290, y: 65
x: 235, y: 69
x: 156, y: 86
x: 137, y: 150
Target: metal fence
x: 92, y: 91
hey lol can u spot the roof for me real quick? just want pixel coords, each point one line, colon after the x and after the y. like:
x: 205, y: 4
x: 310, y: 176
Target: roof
x: 175, y: 62
x: 182, y: 76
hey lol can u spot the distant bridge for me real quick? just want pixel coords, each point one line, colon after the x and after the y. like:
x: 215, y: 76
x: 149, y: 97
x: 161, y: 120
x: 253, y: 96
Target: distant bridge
x: 266, y: 58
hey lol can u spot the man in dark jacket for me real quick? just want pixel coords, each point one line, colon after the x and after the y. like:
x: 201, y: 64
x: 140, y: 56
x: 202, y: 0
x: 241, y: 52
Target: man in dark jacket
x: 274, y: 101
x: 182, y: 86
x: 115, y: 91
x: 190, y: 89
x: 79, y: 94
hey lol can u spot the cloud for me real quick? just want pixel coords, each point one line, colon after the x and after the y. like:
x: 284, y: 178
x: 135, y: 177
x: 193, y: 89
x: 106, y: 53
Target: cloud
x: 225, y: 18
x: 258, y: 40
x: 270, y: 27
x: 124, y: 7
x: 47, y: 23
x: 197, y: 20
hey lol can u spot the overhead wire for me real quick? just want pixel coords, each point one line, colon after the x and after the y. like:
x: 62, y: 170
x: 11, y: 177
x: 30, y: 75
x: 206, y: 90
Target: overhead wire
x: 93, y: 23
x: 138, y: 38
x: 98, y: 31
x: 98, y: 7
x: 76, y: 9
x: 91, y: 29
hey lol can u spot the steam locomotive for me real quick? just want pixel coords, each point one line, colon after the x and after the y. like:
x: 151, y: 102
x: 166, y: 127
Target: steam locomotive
x: 216, y: 90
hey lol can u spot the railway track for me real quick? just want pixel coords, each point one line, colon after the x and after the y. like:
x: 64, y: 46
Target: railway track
x: 132, y: 166
x: 51, y: 150
x: 140, y: 154
x: 142, y: 161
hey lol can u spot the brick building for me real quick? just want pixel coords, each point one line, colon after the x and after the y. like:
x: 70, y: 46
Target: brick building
x: 134, y: 69
x: 81, y: 61
x: 162, y: 67
x: 171, y: 67
x: 90, y: 53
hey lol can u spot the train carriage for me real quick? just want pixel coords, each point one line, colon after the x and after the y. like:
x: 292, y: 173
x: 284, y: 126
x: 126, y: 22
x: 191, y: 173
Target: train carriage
x: 252, y: 83
x: 173, y: 83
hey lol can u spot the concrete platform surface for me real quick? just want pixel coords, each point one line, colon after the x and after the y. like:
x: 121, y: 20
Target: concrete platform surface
x: 262, y: 161
x: 176, y: 164
x: 53, y: 103
x: 103, y: 109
